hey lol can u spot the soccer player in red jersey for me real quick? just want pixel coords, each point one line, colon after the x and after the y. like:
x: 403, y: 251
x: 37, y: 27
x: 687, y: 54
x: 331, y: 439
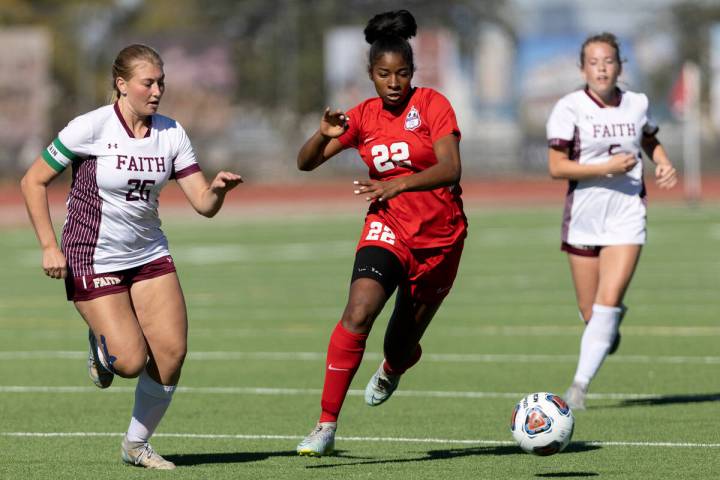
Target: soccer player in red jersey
x: 415, y: 226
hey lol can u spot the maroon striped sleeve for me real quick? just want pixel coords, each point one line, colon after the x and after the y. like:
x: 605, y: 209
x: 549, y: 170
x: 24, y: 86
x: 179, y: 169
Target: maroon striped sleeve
x: 559, y: 143
x: 185, y: 171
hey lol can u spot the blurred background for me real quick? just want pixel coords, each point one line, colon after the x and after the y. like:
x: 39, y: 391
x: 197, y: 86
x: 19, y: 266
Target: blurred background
x: 249, y: 79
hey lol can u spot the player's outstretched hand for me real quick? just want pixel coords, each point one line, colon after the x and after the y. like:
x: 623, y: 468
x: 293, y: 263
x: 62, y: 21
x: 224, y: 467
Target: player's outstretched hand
x: 380, y: 191
x: 54, y: 263
x: 224, y: 182
x: 621, y: 163
x: 665, y: 175
x: 333, y: 124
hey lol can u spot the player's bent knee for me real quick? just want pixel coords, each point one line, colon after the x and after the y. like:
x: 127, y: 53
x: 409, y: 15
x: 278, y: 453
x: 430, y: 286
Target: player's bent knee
x: 170, y: 358
x: 357, y: 318
x: 130, y: 365
x: 176, y: 355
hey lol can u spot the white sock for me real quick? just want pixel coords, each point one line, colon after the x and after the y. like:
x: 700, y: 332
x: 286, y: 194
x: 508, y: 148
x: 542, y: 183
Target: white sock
x: 596, y: 340
x: 151, y: 402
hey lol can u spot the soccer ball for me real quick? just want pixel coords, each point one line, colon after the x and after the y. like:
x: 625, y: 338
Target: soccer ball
x: 542, y: 423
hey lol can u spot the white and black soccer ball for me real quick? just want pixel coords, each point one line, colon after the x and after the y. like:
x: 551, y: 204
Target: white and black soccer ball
x: 542, y: 423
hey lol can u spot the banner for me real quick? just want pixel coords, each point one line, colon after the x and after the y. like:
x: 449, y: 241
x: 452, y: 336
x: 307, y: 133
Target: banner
x: 24, y: 93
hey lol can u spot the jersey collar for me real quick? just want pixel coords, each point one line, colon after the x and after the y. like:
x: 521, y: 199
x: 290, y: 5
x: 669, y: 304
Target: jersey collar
x: 618, y: 98
x: 130, y: 133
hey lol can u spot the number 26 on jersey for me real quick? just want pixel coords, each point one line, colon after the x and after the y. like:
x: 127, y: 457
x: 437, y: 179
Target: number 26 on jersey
x: 386, y: 158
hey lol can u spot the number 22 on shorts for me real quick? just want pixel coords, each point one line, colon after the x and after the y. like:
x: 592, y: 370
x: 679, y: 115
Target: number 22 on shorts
x: 378, y: 231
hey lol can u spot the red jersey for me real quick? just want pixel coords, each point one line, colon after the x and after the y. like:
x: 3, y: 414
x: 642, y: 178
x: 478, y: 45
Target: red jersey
x: 399, y: 143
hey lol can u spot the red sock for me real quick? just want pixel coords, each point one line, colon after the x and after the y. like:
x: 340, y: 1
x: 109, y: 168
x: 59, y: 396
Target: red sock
x: 344, y: 355
x: 400, y: 369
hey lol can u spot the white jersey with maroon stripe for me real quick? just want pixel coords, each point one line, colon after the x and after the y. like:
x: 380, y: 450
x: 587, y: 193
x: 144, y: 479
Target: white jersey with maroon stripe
x: 112, y: 221
x: 604, y: 210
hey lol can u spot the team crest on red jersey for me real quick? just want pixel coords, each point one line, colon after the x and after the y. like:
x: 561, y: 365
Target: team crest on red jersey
x: 412, y: 121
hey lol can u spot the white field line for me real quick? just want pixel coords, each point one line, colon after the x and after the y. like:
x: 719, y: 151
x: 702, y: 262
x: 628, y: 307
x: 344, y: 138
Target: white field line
x: 480, y: 331
x: 314, y: 392
x: 427, y: 357
x: 564, y: 330
x: 208, y: 436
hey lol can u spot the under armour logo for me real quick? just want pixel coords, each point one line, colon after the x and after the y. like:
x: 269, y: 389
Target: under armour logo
x: 112, y: 145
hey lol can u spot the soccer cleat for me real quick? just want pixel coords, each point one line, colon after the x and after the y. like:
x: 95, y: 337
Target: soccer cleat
x: 100, y: 376
x: 380, y: 386
x: 616, y: 341
x: 141, y: 454
x: 321, y: 441
x: 575, y: 396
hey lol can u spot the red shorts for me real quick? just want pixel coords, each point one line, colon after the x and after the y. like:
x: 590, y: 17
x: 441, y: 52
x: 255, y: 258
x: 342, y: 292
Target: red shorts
x: 430, y: 272
x: 88, y: 287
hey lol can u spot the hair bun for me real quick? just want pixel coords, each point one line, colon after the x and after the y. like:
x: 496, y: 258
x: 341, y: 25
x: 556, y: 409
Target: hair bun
x: 398, y: 23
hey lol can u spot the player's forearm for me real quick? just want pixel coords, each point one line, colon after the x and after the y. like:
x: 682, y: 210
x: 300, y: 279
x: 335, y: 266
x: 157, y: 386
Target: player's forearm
x: 659, y: 156
x: 36, y: 202
x: 569, y: 170
x: 311, y: 154
x: 443, y: 174
x: 209, y: 203
x: 562, y: 168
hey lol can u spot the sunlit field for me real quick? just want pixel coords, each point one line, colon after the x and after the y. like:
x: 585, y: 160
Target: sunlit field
x: 263, y: 296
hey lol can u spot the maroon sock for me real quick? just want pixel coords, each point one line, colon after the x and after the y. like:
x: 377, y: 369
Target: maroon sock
x: 344, y: 355
x: 400, y: 369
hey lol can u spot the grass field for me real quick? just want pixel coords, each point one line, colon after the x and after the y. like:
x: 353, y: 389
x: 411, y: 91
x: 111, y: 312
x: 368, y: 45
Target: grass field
x: 263, y: 296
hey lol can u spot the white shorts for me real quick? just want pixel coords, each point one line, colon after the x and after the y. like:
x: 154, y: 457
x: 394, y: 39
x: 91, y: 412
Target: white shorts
x: 600, y: 216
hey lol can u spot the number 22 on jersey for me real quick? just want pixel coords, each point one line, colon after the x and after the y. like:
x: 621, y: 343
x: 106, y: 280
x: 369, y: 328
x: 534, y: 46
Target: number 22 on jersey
x: 386, y: 158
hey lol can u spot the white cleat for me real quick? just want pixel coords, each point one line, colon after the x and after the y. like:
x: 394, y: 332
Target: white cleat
x: 575, y: 396
x: 100, y: 376
x: 380, y: 387
x: 319, y: 442
x: 142, y: 455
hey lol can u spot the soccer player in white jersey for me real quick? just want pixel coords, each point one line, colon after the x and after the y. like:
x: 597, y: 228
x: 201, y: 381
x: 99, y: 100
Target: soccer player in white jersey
x: 113, y: 256
x: 595, y: 137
